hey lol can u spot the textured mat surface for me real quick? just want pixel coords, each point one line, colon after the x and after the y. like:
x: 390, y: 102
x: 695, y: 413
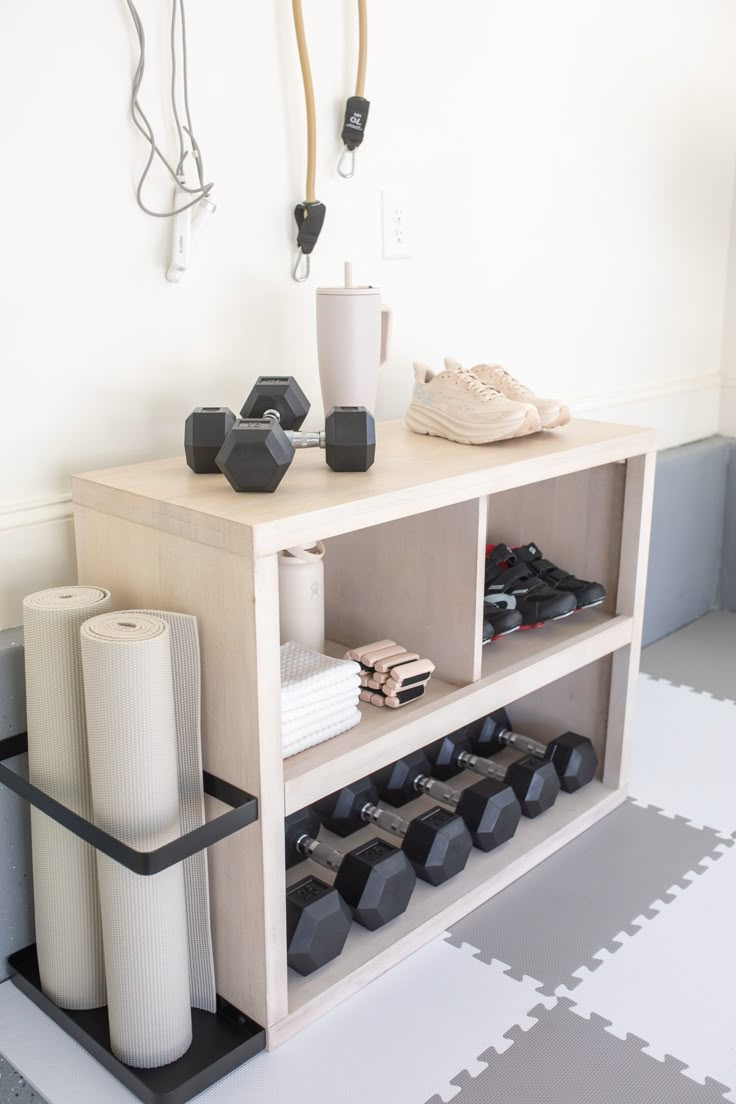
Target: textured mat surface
x: 567, y: 1060
x: 559, y: 915
x: 673, y: 983
x: 702, y: 655
x: 683, y: 760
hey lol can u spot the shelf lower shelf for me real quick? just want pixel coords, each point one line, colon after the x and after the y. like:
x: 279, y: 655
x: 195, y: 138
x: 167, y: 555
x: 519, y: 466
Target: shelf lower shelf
x: 512, y: 667
x: 367, y: 955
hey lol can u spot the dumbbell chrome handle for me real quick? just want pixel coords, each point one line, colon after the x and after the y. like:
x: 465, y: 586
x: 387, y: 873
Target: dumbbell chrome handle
x: 482, y: 766
x: 390, y: 822
x: 320, y: 852
x: 523, y: 743
x: 311, y: 439
x: 306, y: 440
x: 447, y: 795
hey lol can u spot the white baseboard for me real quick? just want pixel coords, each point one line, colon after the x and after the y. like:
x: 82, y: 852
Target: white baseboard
x: 37, y: 548
x: 681, y: 410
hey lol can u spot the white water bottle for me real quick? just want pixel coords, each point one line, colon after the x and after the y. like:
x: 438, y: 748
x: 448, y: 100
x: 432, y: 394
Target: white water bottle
x: 302, y: 596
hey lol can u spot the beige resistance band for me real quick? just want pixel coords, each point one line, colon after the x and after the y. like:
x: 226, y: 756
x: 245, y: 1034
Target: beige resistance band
x: 310, y: 214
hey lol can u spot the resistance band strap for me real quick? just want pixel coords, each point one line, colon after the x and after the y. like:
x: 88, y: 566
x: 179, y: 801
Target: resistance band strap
x: 309, y: 219
x: 356, y: 116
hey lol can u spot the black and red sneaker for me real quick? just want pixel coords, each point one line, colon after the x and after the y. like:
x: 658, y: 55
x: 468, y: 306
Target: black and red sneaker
x: 585, y: 593
x: 499, y: 621
x: 511, y: 584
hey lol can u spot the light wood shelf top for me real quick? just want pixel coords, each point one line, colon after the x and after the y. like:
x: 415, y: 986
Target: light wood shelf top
x: 412, y: 474
x: 513, y: 666
x: 432, y: 909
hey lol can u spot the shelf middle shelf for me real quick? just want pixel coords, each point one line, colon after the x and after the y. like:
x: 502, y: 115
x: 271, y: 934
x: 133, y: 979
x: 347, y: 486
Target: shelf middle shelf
x: 512, y: 667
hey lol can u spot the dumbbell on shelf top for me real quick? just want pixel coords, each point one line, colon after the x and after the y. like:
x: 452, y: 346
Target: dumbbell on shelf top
x: 490, y: 809
x: 573, y: 756
x: 254, y: 451
x: 535, y: 783
x: 375, y: 879
x: 437, y: 843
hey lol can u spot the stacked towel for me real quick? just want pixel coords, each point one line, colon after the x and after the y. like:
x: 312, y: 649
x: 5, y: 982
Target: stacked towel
x: 319, y: 697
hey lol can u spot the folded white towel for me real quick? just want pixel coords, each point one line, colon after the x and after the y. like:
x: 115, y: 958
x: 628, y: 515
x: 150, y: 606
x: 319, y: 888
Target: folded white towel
x: 300, y: 739
x: 346, y: 688
x: 307, y: 676
x: 324, y: 706
x: 316, y: 719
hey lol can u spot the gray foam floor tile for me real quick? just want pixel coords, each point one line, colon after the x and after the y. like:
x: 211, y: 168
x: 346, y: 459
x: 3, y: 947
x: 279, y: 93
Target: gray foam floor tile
x: 14, y: 1089
x: 702, y: 655
x: 559, y: 915
x: 564, y: 1059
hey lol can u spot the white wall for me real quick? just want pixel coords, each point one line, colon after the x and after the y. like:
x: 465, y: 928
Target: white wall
x: 568, y: 168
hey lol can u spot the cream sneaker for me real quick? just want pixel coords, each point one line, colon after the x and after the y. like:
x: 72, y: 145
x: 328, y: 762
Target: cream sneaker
x: 552, y: 412
x: 455, y: 404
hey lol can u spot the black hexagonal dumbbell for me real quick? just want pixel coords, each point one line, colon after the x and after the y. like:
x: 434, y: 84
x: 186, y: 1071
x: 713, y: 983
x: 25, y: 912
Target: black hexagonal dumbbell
x: 375, y: 879
x: 535, y: 784
x: 280, y: 393
x: 573, y: 756
x: 257, y: 452
x: 204, y: 432
x: 207, y: 427
x: 436, y: 843
x: 317, y: 924
x: 490, y: 810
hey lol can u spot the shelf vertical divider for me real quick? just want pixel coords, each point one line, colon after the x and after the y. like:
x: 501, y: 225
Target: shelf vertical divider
x: 416, y: 581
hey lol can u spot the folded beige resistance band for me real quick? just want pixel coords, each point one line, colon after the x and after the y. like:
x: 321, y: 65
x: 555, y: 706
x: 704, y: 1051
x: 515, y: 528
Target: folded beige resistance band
x: 68, y: 928
x: 143, y: 738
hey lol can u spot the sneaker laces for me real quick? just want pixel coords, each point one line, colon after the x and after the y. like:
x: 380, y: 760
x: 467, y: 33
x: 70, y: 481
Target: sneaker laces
x: 484, y: 391
x: 513, y: 385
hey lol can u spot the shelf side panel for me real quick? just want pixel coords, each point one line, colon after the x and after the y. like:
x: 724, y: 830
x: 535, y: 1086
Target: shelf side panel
x: 416, y: 581
x: 636, y: 528
x: 233, y: 600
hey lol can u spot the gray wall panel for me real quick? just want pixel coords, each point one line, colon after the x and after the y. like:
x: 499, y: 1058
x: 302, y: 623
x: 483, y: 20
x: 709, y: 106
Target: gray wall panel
x: 16, y: 894
x: 687, y: 535
x: 728, y: 563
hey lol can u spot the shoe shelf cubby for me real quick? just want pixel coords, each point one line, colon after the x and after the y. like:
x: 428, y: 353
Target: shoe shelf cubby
x: 405, y: 557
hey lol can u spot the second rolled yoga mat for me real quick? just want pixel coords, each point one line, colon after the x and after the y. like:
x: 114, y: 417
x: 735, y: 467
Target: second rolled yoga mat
x: 68, y: 930
x: 140, y: 671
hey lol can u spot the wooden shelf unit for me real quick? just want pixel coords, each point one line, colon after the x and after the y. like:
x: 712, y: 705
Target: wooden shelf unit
x: 405, y: 554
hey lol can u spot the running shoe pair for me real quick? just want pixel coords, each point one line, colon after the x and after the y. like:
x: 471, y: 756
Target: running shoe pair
x: 523, y: 590
x: 478, y: 405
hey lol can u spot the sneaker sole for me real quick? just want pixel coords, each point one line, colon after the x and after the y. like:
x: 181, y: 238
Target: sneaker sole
x: 424, y: 420
x: 562, y: 418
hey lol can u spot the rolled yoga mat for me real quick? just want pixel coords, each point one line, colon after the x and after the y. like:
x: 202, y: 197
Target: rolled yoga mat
x: 138, y: 682
x: 68, y: 926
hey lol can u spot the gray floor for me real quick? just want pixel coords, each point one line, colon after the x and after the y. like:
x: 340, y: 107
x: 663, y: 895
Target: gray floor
x: 645, y: 855
x: 608, y: 934
x: 14, y: 1089
x: 569, y: 1060
x: 702, y: 655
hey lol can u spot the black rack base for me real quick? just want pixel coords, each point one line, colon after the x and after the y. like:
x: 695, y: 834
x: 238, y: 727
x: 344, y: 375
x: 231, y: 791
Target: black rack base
x: 221, y: 1042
